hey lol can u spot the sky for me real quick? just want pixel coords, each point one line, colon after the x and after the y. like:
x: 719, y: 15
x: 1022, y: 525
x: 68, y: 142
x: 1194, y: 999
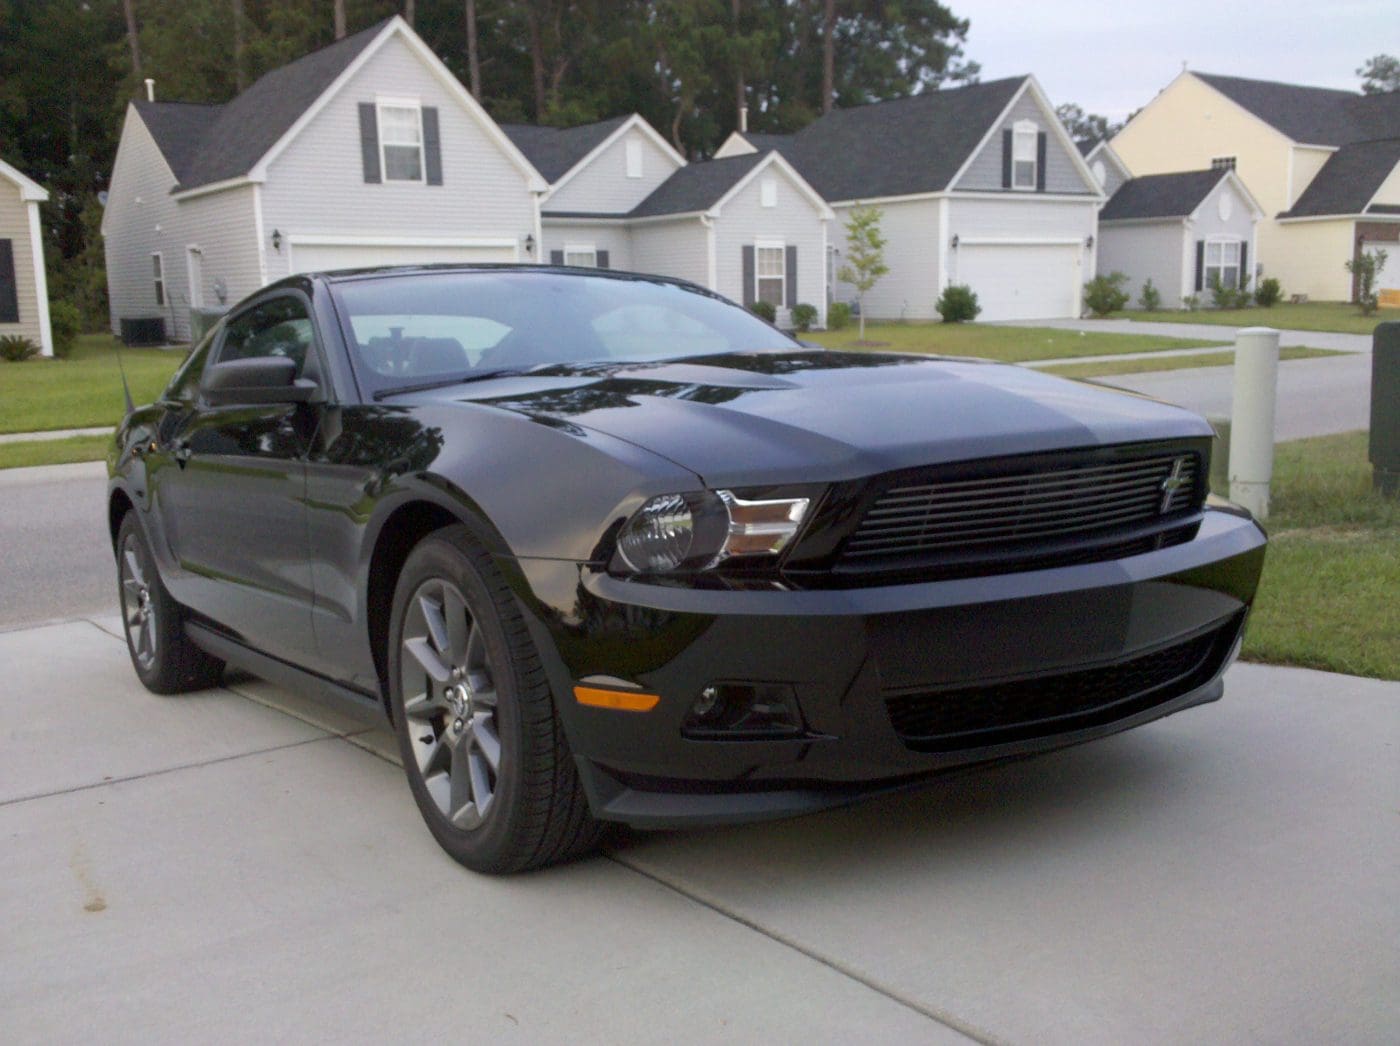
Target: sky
x: 1112, y: 57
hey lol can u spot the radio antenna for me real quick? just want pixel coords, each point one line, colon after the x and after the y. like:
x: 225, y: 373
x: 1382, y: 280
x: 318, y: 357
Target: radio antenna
x: 126, y: 389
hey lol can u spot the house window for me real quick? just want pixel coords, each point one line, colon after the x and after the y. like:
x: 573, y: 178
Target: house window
x: 634, y: 158
x: 1223, y: 263
x: 584, y: 256
x: 1023, y: 150
x: 158, y: 276
x: 770, y: 273
x: 768, y: 193
x: 1222, y: 163
x: 401, y: 141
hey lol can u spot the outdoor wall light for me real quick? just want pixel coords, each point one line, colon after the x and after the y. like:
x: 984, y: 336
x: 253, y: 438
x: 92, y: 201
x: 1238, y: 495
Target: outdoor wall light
x: 529, y: 243
x: 1089, y: 243
x: 277, y: 240
x: 954, y: 242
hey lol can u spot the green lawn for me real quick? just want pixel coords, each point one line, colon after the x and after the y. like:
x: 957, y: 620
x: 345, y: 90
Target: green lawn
x: 1008, y: 344
x: 1104, y: 368
x: 53, y: 451
x: 1341, y: 317
x: 82, y: 391
x: 1328, y: 598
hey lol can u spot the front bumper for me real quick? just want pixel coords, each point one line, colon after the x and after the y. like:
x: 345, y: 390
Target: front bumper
x: 875, y: 671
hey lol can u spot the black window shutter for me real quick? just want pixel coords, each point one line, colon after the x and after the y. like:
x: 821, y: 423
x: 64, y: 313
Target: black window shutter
x: 369, y: 141
x: 1244, y: 265
x: 432, y: 146
x: 791, y: 267
x: 603, y: 260
x: 748, y: 276
x: 1200, y: 264
x: 1040, y: 162
x: 1006, y: 158
x: 9, y: 290
x: 556, y: 257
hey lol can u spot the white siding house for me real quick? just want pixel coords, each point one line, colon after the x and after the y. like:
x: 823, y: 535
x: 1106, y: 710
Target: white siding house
x: 978, y: 185
x: 24, y: 292
x: 367, y: 152
x: 1181, y: 231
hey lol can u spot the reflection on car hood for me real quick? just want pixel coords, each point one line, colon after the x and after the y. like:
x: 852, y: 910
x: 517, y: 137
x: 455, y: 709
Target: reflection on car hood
x: 763, y: 416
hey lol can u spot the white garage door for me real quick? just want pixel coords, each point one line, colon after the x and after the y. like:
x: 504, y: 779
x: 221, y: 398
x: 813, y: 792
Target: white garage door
x: 319, y: 257
x: 1022, y: 281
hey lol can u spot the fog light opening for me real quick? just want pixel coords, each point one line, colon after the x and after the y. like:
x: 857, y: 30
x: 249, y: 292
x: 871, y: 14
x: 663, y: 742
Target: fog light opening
x: 743, y: 712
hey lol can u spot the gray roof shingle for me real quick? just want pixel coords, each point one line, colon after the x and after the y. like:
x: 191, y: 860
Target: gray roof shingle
x: 1313, y: 115
x: 1348, y: 179
x: 207, y: 144
x: 906, y: 145
x: 1161, y: 195
x: 554, y: 151
x: 697, y: 186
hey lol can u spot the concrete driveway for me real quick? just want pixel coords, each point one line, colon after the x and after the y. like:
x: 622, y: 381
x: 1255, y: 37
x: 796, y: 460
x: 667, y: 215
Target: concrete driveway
x: 242, y: 864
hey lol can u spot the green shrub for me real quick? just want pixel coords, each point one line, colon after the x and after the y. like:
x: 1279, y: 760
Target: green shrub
x: 803, y: 316
x: 1105, y: 294
x: 838, y: 316
x: 15, y: 348
x: 1150, y: 298
x: 958, y: 303
x: 1191, y: 302
x: 1269, y: 293
x: 1223, y: 297
x: 765, y: 310
x: 66, y: 322
x: 1365, y: 267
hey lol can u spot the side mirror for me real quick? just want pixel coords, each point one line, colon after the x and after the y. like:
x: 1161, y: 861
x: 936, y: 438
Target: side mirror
x: 260, y: 379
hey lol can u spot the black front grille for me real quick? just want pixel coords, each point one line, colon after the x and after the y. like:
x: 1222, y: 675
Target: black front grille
x: 999, y: 713
x: 1021, y: 507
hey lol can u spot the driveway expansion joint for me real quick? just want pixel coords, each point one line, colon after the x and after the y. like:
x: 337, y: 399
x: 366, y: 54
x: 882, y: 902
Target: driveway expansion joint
x: 948, y: 1020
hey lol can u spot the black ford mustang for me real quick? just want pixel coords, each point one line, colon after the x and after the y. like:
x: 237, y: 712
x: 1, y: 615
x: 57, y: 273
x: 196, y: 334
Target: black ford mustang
x: 608, y: 548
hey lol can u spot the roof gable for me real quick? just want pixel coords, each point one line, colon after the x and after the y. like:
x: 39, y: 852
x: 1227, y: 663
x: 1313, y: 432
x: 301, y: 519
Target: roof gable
x: 1348, y: 180
x: 901, y: 147
x: 555, y: 151
x: 1161, y: 195
x: 29, y: 189
x: 697, y: 186
x: 178, y: 129
x: 1312, y: 115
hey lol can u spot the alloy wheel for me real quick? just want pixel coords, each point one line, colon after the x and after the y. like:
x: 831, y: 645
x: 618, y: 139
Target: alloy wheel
x: 138, y: 606
x: 450, y: 703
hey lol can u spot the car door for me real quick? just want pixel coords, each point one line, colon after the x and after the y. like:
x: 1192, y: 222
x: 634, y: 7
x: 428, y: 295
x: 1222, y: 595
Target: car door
x: 233, y: 504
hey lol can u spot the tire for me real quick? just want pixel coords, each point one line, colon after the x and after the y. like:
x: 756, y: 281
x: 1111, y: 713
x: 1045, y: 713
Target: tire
x: 165, y: 660
x: 482, y: 745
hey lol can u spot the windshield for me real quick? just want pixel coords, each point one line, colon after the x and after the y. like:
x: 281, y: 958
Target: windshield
x: 422, y: 328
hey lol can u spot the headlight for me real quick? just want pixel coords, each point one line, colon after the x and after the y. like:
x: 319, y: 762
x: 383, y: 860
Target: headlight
x: 700, y: 530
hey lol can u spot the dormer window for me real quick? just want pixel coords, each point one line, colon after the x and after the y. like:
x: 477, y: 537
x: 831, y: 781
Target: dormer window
x: 1023, y: 155
x: 401, y: 141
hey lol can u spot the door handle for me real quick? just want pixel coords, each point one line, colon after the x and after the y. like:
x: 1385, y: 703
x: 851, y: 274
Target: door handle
x: 180, y: 451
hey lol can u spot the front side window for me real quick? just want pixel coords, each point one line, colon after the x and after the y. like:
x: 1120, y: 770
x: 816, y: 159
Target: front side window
x: 1023, y: 150
x: 278, y: 327
x: 771, y: 275
x: 1223, y: 263
x: 401, y: 141
x: 584, y: 256
x: 158, y: 277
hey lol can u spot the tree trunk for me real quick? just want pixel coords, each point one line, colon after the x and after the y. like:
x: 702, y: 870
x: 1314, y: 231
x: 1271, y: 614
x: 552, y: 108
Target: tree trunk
x: 240, y: 76
x: 408, y: 12
x: 532, y: 18
x: 129, y: 9
x: 473, y: 57
x: 829, y: 58
x: 340, y: 19
x: 740, y: 94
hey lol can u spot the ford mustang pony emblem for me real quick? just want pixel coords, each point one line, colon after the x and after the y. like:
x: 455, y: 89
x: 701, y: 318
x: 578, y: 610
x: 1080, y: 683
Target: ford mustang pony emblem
x: 1174, y: 482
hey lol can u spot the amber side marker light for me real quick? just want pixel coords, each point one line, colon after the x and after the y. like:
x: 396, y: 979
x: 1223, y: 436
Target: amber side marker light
x: 618, y: 700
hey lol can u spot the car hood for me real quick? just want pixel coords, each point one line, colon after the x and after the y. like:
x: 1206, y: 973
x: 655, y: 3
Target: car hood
x: 791, y: 416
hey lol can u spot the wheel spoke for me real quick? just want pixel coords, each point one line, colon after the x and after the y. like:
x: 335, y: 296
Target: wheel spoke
x: 131, y: 587
x: 133, y: 566
x: 481, y: 783
x: 437, y: 628
x: 455, y: 613
x: 421, y: 651
x: 462, y: 800
x: 487, y: 742
x: 423, y: 705
x: 439, y: 786
x: 144, y: 648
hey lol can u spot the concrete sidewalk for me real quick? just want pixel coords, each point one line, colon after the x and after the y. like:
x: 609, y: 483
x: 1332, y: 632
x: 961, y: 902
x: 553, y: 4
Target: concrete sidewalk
x: 242, y: 864
x: 1207, y: 331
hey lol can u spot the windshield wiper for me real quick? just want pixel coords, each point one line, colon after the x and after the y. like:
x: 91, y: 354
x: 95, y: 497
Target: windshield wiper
x: 465, y: 379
